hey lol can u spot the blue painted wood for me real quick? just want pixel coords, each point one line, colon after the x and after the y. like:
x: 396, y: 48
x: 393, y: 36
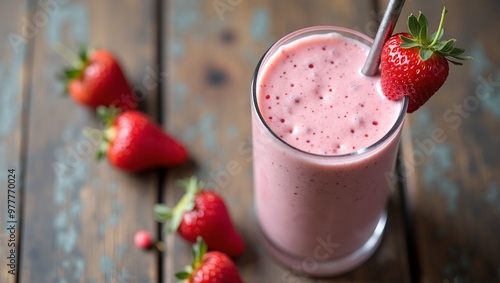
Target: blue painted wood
x: 80, y: 216
x: 451, y: 155
x: 13, y: 50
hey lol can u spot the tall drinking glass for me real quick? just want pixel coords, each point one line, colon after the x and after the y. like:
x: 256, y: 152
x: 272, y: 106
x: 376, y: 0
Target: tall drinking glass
x: 324, y: 141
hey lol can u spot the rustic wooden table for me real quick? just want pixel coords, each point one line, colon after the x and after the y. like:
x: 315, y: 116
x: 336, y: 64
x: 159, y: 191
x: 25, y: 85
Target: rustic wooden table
x: 73, y: 219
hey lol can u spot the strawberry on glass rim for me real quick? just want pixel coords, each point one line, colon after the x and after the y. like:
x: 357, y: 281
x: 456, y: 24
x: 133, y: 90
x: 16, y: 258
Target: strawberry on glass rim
x: 416, y: 65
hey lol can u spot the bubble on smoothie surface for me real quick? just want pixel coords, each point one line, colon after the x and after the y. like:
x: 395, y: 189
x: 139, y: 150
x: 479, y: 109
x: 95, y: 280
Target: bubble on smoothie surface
x: 316, y: 99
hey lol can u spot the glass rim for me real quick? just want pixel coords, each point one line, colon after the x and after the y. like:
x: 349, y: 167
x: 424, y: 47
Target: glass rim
x: 399, y: 121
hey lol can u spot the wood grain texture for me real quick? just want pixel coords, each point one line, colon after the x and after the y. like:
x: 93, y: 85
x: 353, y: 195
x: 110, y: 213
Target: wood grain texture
x: 80, y: 215
x: 211, y: 52
x: 451, y: 152
x: 13, y: 54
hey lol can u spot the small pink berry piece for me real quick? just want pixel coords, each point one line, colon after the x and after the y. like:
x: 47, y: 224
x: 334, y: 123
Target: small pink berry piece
x: 142, y: 239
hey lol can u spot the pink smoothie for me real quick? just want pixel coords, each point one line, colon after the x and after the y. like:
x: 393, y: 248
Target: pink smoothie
x: 315, y: 180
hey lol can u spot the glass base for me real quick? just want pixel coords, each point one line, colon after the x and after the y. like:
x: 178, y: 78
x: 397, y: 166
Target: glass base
x: 311, y: 267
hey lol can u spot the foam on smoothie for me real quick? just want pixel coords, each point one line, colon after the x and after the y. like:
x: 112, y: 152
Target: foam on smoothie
x: 311, y: 93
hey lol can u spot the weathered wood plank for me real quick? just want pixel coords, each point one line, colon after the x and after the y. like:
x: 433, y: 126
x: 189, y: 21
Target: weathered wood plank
x: 451, y: 152
x: 13, y: 66
x: 80, y: 215
x: 210, y: 57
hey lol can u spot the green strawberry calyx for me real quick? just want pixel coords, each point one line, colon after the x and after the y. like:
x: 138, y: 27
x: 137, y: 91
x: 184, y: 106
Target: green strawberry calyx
x: 78, y: 61
x: 199, y: 250
x: 418, y: 28
x: 107, y: 115
x: 163, y: 213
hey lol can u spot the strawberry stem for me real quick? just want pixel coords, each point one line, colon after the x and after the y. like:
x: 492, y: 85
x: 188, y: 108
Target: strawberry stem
x: 107, y: 115
x: 427, y: 47
x: 162, y: 212
x: 199, y: 250
x: 441, y: 23
x: 192, y: 187
x: 79, y: 61
x: 186, y: 204
x: 68, y: 55
x: 106, y: 136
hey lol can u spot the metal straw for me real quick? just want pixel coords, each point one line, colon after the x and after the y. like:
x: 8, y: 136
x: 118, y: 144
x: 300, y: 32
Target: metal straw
x: 383, y: 33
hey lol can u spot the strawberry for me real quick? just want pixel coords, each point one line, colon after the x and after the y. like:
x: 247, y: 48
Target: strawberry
x: 415, y: 65
x: 211, y: 267
x: 135, y: 143
x: 97, y: 79
x: 142, y: 239
x: 202, y: 213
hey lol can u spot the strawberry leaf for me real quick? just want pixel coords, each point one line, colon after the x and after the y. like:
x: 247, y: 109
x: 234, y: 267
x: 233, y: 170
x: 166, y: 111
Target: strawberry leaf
x: 407, y: 39
x: 107, y: 115
x: 186, y: 204
x: 418, y: 28
x: 408, y: 42
x: 203, y: 247
x: 458, y: 57
x: 439, y: 46
x: 162, y: 212
x: 448, y: 46
x: 440, y: 35
x: 462, y: 57
x: 425, y: 53
x: 79, y: 63
x: 410, y: 45
x: 182, y: 275
x: 413, y: 25
x: 456, y: 51
x: 67, y: 75
x: 83, y: 54
x: 422, y: 21
x: 199, y: 250
x: 71, y: 73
